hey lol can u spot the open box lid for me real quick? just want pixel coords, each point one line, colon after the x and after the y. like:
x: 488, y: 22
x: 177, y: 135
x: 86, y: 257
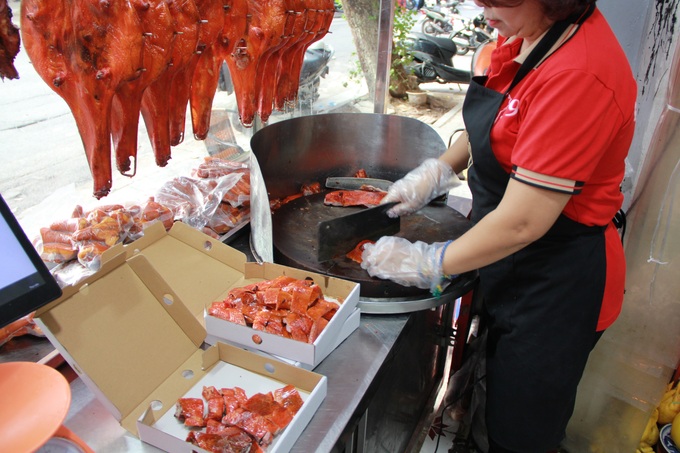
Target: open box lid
x: 197, y: 266
x: 124, y: 331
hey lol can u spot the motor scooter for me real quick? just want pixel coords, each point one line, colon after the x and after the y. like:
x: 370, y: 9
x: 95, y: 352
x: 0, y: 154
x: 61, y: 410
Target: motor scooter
x: 475, y: 33
x: 467, y: 35
x: 433, y: 59
x: 439, y: 20
x: 314, y: 68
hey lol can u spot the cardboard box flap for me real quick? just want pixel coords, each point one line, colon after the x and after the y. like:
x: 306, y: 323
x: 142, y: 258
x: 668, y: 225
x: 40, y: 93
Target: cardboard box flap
x: 114, y: 260
x: 129, y: 327
x: 197, y: 266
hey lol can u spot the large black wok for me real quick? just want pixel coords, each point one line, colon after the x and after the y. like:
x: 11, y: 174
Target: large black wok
x: 306, y: 150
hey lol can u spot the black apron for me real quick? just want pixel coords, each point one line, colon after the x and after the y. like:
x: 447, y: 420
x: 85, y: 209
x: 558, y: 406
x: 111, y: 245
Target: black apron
x: 541, y: 304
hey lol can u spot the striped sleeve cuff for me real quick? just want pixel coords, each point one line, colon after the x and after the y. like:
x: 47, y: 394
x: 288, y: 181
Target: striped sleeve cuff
x: 532, y: 178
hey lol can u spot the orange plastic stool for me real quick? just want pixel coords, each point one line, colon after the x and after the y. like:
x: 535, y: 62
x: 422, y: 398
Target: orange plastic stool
x: 34, y: 401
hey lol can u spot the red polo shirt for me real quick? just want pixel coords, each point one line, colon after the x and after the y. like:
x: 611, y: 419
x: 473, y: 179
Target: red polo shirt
x: 567, y: 126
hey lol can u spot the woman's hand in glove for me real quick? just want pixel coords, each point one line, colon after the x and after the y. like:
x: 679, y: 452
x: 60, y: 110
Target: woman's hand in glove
x: 422, y: 184
x: 409, y: 264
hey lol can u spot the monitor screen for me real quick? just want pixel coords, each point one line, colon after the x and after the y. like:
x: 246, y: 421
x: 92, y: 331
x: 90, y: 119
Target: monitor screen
x: 25, y: 282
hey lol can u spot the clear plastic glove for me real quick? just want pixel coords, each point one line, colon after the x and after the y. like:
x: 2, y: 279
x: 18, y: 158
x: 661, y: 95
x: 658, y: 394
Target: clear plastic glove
x: 422, y: 184
x: 409, y: 264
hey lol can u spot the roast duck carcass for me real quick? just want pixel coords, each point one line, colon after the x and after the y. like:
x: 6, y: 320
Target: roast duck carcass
x: 111, y: 60
x: 9, y: 43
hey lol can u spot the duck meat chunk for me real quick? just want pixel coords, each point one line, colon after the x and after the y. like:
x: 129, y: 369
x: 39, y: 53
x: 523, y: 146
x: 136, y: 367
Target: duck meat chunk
x: 353, y: 198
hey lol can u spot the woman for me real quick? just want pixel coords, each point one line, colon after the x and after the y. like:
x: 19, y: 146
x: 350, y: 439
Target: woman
x: 548, y: 130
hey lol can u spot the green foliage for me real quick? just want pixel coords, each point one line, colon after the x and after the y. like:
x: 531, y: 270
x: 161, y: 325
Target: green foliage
x: 400, y: 78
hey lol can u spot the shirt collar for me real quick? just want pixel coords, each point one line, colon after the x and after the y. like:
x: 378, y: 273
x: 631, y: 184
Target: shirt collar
x: 523, y: 55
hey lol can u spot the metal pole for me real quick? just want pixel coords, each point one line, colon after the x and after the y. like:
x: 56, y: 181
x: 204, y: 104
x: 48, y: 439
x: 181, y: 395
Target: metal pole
x: 382, y: 73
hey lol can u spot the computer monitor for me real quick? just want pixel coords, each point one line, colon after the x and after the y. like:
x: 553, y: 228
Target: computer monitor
x: 25, y: 282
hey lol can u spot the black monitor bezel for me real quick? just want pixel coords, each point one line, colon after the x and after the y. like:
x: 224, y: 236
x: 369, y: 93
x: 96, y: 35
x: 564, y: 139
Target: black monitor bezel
x: 16, y: 308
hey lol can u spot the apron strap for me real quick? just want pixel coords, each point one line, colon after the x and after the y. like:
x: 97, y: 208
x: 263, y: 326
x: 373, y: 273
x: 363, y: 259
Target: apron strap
x: 546, y: 43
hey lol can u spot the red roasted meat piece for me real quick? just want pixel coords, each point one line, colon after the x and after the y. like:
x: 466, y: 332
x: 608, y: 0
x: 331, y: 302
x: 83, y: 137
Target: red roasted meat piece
x: 289, y: 397
x: 353, y: 198
x: 190, y: 411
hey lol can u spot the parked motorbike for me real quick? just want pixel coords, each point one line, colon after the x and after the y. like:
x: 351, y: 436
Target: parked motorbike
x: 440, y: 20
x: 433, y: 59
x: 314, y: 68
x: 414, y: 4
x: 467, y: 33
x: 474, y: 34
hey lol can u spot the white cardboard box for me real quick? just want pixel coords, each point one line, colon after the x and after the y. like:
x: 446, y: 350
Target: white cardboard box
x: 134, y: 343
x: 202, y: 270
x: 350, y: 325
x: 230, y: 366
x: 309, y: 354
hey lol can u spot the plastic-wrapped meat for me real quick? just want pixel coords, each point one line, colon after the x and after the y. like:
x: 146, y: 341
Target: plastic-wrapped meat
x: 10, y: 42
x: 213, y: 167
x: 353, y: 198
x: 157, y: 25
x: 156, y: 103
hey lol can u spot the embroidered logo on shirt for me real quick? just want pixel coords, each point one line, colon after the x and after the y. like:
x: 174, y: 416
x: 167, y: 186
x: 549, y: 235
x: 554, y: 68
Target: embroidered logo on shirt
x: 511, y: 108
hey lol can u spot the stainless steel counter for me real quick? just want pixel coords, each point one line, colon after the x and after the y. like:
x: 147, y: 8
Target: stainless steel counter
x: 352, y: 371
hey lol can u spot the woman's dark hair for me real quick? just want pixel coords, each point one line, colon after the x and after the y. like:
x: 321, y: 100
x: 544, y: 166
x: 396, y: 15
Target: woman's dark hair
x: 553, y: 9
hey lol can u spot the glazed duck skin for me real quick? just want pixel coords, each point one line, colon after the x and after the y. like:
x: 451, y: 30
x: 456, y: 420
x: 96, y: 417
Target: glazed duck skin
x: 10, y: 41
x: 84, y: 50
